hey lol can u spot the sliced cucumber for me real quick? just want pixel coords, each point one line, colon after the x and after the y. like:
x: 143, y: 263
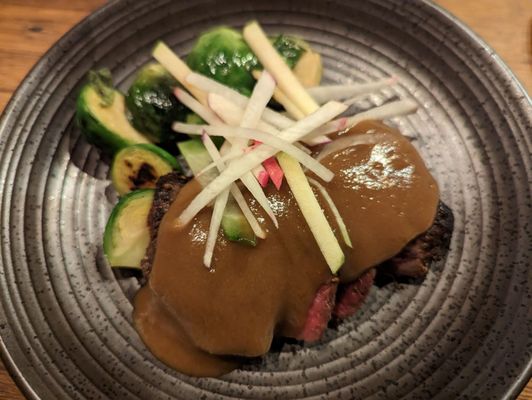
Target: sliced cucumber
x: 139, y: 166
x: 105, y: 123
x: 127, y: 234
x: 235, y: 226
x: 197, y: 159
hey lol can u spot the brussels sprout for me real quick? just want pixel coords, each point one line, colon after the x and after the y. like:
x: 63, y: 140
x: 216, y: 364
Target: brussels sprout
x: 100, y: 114
x: 152, y: 104
x: 290, y: 48
x: 222, y: 53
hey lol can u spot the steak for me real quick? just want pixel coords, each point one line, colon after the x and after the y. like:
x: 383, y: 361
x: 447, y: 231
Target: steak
x: 167, y: 188
x: 410, y: 265
x: 331, y: 300
x: 320, y: 312
x: 413, y: 262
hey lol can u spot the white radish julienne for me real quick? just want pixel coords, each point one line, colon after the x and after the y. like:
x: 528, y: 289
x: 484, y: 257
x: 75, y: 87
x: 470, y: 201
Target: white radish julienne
x: 282, y: 99
x: 239, y: 166
x: 334, y: 210
x: 202, y: 110
x: 389, y: 110
x: 348, y: 141
x: 235, y: 191
x: 211, y: 86
x: 214, y: 227
x: 275, y: 142
x: 323, y: 94
x: 208, y: 115
x: 233, y: 114
x: 219, y: 206
x: 261, y: 95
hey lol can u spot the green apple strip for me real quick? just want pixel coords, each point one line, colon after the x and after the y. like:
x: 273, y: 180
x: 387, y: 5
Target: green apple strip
x: 290, y: 85
x: 275, y: 65
x: 177, y: 67
x: 316, y: 220
x: 334, y: 210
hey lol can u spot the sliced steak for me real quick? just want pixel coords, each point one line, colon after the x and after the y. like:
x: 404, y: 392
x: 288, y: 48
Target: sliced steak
x: 320, y: 312
x: 167, y: 188
x: 351, y: 296
x: 411, y: 264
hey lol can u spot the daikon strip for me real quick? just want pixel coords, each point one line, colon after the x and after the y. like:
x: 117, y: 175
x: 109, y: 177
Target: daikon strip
x: 214, y: 227
x: 235, y: 191
x: 203, y: 111
x: 211, y: 86
x: 282, y: 99
x: 389, y: 110
x: 324, y: 93
x: 261, y: 95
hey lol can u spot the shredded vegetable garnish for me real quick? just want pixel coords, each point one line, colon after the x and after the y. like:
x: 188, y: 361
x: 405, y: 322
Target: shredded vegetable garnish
x: 265, y: 143
x: 249, y: 160
x: 334, y: 210
x: 211, y: 86
x: 322, y: 94
x: 266, y: 138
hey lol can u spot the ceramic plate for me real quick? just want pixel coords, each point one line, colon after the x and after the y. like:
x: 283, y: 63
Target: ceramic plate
x: 65, y: 318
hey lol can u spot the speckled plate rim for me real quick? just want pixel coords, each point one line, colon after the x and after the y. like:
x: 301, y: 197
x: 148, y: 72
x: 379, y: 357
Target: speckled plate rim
x: 502, y: 70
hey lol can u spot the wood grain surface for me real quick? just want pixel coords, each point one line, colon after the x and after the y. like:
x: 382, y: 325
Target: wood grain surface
x: 29, y: 27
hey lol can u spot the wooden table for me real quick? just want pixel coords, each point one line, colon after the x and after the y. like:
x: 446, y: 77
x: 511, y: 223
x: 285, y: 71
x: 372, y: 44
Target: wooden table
x: 29, y: 27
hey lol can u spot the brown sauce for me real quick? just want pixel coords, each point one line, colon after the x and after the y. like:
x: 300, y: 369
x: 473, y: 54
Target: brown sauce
x: 192, y: 318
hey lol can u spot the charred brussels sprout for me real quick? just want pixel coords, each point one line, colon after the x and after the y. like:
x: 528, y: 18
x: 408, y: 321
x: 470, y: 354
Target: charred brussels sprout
x: 222, y: 54
x: 152, y: 104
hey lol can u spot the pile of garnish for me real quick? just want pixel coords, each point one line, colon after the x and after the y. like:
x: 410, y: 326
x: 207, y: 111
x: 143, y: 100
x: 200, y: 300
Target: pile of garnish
x: 262, y: 144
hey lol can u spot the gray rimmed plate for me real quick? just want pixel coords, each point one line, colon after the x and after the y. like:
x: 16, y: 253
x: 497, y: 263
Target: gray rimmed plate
x: 65, y: 318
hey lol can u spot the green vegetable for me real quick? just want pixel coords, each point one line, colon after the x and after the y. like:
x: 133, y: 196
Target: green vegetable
x: 235, y: 226
x: 101, y: 115
x: 140, y: 166
x: 127, y: 235
x: 152, y: 104
x: 290, y: 48
x: 222, y: 54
